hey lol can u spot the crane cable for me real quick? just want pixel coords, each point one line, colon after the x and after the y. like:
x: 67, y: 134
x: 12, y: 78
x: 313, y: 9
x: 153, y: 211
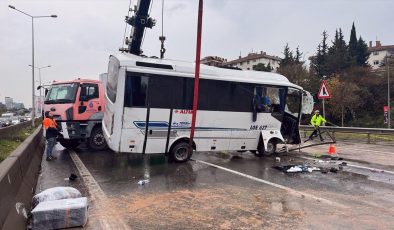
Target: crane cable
x: 125, y: 28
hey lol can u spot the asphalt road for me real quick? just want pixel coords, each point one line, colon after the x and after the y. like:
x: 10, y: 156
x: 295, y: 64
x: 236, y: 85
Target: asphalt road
x: 234, y: 190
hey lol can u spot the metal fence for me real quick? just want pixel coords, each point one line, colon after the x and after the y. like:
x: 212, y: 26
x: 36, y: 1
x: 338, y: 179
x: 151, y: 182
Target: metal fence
x: 371, y: 135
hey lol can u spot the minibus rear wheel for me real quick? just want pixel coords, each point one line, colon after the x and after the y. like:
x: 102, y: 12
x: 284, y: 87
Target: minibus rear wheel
x: 181, y: 152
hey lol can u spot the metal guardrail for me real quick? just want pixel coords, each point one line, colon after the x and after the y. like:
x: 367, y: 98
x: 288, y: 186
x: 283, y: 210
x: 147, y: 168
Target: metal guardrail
x: 367, y: 131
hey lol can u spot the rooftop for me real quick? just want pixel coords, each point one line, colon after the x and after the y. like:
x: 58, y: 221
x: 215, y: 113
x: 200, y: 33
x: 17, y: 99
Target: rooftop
x: 253, y: 56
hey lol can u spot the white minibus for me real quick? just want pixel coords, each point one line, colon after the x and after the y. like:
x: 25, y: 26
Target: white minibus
x: 149, y: 108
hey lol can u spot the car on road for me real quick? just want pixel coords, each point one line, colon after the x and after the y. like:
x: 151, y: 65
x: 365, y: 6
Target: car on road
x: 5, y: 122
x: 15, y: 120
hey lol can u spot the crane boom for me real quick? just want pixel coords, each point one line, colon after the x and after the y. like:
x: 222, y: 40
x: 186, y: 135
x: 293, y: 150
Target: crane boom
x: 139, y: 21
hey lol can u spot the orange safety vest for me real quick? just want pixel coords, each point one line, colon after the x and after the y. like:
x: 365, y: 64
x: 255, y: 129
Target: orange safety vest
x: 47, y: 122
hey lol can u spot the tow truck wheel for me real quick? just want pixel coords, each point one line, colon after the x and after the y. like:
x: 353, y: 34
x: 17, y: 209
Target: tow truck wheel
x: 261, y: 151
x: 181, y: 152
x: 97, y: 140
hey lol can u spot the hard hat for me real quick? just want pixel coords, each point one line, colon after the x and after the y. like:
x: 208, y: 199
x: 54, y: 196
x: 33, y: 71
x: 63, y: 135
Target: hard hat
x: 316, y: 111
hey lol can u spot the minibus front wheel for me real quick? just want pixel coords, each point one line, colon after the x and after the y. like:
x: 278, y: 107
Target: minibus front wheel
x: 270, y: 150
x: 181, y: 152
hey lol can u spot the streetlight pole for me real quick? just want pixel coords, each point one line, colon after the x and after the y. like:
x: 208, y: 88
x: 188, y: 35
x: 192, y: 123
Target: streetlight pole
x: 32, y: 54
x: 40, y: 82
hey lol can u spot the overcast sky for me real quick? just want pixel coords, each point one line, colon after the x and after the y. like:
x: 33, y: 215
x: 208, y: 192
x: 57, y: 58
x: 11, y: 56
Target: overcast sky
x: 86, y: 32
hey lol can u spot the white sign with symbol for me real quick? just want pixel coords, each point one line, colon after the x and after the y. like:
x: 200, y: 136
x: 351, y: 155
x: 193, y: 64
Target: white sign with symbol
x: 323, y: 91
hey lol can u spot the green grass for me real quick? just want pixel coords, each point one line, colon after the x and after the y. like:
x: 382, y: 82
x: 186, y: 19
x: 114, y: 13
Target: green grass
x: 7, y: 145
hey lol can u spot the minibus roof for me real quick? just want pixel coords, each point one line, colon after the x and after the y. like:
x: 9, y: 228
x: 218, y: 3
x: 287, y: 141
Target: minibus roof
x: 136, y: 63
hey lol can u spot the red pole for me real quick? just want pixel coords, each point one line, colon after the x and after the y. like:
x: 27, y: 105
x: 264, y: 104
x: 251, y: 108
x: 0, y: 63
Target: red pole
x: 197, y: 72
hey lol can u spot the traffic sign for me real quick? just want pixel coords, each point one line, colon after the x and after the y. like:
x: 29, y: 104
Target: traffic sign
x: 323, y: 91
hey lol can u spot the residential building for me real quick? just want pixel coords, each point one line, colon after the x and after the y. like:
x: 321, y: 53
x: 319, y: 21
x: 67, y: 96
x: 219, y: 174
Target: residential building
x: 378, y: 54
x: 213, y: 61
x: 9, y: 102
x: 253, y: 59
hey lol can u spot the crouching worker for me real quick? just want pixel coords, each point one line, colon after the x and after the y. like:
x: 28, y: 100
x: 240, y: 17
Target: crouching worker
x: 51, y: 133
x: 316, y: 121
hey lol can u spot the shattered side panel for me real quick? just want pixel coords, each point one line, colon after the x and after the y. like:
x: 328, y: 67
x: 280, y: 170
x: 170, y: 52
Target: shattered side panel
x: 307, y: 103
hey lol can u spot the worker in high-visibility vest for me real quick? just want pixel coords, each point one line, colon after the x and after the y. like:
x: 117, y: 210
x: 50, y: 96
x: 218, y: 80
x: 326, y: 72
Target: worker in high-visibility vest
x: 51, y: 133
x: 316, y: 121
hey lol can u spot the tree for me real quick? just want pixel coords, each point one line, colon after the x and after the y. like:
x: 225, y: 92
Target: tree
x: 319, y: 61
x: 353, y: 45
x: 297, y: 58
x: 288, y: 56
x: 262, y: 67
x: 294, y: 69
x: 358, y: 49
x: 345, y: 97
x: 338, y: 58
x: 362, y: 52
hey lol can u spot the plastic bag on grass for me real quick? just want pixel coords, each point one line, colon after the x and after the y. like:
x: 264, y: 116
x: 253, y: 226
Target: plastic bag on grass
x: 65, y: 213
x: 55, y: 193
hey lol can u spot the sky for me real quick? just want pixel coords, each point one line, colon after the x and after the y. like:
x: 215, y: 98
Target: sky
x: 79, y: 42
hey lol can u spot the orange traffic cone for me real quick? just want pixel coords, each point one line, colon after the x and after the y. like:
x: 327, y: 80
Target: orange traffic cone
x: 332, y: 150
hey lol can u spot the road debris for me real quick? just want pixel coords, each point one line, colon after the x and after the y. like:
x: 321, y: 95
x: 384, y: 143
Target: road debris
x: 56, y: 214
x: 343, y: 164
x: 73, y: 177
x: 55, y: 193
x: 297, y: 168
x: 142, y: 182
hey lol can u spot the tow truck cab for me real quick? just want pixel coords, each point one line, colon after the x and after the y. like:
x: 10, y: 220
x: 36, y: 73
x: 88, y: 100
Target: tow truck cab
x: 78, y: 108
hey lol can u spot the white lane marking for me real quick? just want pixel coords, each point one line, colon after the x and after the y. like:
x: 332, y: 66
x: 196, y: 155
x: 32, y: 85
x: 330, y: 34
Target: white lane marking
x: 372, y: 169
x: 356, y: 166
x: 290, y: 190
x: 98, y: 195
x: 94, y: 188
x: 350, y: 148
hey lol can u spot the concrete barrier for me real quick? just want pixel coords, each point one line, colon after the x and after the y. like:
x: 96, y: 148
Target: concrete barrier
x: 18, y: 178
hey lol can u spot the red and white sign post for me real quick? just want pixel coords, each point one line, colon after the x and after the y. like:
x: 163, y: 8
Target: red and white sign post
x: 323, y: 94
x: 386, y: 114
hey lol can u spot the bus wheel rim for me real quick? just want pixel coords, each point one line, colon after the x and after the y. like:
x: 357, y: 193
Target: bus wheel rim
x: 98, y: 139
x: 181, y: 153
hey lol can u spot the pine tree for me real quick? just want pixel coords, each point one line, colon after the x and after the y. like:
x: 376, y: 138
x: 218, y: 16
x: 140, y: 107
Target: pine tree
x: 362, y: 52
x: 353, y: 45
x: 324, y: 47
x: 298, y: 55
x: 338, y: 57
x: 288, y: 56
x: 318, y: 62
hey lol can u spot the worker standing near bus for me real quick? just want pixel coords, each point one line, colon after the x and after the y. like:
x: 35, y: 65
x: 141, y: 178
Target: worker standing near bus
x: 51, y: 133
x: 316, y: 121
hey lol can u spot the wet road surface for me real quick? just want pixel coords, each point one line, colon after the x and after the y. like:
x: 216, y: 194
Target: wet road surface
x: 239, y: 190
